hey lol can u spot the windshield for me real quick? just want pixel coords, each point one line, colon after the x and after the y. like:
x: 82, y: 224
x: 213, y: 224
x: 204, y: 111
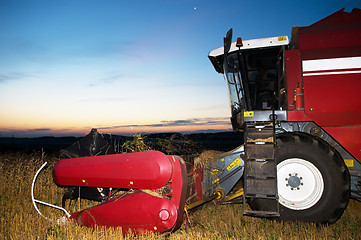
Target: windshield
x: 234, y: 83
x: 253, y: 79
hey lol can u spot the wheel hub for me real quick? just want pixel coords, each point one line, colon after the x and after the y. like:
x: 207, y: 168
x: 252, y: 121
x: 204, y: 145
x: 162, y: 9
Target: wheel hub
x: 294, y: 181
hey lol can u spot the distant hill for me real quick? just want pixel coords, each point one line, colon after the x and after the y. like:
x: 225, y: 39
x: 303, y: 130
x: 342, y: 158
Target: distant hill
x: 28, y: 145
x: 222, y: 141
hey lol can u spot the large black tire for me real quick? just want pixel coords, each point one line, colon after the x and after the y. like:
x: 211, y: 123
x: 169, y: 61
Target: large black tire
x: 313, y: 181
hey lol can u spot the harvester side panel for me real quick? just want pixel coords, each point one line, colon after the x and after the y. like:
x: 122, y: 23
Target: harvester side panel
x: 332, y: 98
x: 332, y: 101
x: 348, y: 137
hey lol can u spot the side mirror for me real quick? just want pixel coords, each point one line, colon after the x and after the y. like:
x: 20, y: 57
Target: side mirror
x: 227, y: 41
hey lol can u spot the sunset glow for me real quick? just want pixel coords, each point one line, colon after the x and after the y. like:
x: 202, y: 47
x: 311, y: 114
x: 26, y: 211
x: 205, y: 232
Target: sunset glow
x: 127, y: 67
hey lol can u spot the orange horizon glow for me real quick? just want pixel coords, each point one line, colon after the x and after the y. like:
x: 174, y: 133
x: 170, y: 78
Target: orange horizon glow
x: 117, y: 130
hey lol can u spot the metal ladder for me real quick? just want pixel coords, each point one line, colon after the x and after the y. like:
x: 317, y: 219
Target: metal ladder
x: 260, y: 174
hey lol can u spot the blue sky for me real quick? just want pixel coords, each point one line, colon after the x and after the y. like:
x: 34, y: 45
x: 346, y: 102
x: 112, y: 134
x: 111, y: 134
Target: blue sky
x: 125, y: 67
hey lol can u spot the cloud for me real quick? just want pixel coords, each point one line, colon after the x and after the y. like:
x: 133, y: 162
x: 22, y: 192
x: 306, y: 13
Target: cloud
x: 26, y: 132
x: 36, y: 132
x: 197, y: 122
x: 106, y: 99
x: 3, y: 78
x: 107, y: 80
x: 103, y: 48
x: 176, y: 123
x: 39, y: 130
x: 14, y: 76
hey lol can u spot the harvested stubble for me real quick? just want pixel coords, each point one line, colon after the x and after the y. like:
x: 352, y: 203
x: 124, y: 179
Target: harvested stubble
x: 206, y: 157
x: 19, y: 220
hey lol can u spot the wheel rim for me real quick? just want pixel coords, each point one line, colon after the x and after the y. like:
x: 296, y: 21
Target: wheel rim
x: 300, y: 184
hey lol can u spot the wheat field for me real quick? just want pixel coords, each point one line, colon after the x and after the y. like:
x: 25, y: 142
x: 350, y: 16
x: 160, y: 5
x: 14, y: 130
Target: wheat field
x: 19, y: 219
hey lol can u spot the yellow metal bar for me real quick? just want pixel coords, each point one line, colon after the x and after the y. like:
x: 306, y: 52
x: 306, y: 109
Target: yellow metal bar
x: 216, y: 195
x: 237, y: 194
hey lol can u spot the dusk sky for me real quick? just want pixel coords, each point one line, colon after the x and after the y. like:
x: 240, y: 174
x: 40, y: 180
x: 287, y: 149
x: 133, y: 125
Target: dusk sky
x: 125, y: 67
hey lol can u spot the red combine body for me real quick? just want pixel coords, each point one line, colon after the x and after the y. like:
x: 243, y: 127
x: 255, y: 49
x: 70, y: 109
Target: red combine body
x: 299, y: 107
x: 306, y: 91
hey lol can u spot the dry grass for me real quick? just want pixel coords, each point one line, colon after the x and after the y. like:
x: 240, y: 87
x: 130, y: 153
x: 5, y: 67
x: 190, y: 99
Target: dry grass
x: 19, y: 220
x: 207, y: 157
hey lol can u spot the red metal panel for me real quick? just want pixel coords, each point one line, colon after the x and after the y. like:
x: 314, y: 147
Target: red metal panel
x: 340, y: 17
x: 179, y: 187
x: 337, y: 30
x: 137, y: 211
x: 349, y: 137
x: 298, y: 116
x: 141, y: 170
x: 293, y: 74
x: 333, y: 99
x: 338, y: 52
x: 195, y: 178
x: 329, y: 39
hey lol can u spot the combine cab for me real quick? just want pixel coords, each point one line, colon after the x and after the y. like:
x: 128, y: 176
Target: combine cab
x: 296, y: 102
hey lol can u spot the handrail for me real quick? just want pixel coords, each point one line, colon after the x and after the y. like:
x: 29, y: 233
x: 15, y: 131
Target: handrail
x: 41, y: 202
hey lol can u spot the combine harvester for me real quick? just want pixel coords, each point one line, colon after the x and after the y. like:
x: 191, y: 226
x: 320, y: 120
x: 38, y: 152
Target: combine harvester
x: 299, y: 106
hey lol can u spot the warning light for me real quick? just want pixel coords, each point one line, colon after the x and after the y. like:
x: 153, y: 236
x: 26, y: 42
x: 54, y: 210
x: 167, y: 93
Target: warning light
x: 239, y: 42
